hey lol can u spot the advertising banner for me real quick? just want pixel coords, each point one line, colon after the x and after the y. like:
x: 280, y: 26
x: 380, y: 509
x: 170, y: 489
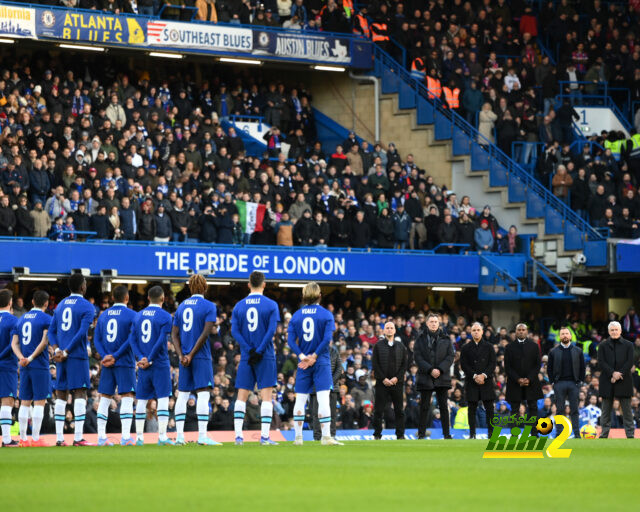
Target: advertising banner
x: 17, y: 21
x: 201, y: 36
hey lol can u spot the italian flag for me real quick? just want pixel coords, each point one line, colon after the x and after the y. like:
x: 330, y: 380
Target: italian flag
x: 251, y: 216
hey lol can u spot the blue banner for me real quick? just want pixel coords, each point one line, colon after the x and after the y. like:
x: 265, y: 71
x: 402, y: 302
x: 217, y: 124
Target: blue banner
x: 234, y: 262
x: 98, y: 27
x: 302, y: 46
x: 628, y: 257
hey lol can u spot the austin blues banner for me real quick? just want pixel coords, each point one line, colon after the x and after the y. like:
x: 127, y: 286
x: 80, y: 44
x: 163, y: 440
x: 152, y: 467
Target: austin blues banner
x: 72, y: 25
x: 237, y: 262
x: 203, y: 36
x: 17, y: 21
x: 302, y: 46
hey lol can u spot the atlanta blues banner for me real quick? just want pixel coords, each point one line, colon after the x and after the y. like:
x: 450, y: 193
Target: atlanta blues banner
x: 72, y: 25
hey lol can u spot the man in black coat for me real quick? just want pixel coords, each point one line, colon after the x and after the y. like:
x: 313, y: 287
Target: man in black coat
x: 433, y: 353
x: 566, y: 370
x: 389, y: 362
x: 478, y: 362
x: 615, y: 359
x: 522, y: 364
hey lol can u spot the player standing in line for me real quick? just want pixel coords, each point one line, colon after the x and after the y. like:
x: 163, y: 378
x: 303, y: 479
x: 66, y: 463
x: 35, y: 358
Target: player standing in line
x: 312, y: 327
x: 193, y: 322
x: 30, y: 347
x: 148, y: 339
x: 68, y: 337
x: 8, y: 368
x: 111, y: 340
x: 253, y: 324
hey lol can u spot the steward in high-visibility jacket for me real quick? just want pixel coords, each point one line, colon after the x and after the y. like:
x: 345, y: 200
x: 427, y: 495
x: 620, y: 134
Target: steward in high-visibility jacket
x: 633, y: 146
x: 616, y: 146
x: 418, y: 69
x: 433, y: 85
x: 347, y: 5
x: 361, y: 25
x: 452, y: 97
x: 379, y: 32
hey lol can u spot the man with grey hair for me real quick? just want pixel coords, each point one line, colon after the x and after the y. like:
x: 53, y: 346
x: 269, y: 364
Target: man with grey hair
x: 615, y: 359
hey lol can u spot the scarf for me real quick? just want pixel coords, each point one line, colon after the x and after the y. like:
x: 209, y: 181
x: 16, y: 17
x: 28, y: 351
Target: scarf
x: 512, y: 242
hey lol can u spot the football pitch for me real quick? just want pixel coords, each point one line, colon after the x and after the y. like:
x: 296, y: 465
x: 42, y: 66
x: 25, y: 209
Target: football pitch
x: 385, y: 475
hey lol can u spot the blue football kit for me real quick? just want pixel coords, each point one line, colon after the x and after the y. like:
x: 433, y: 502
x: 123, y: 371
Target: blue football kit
x: 149, y: 335
x: 8, y: 360
x: 253, y: 324
x: 190, y: 318
x: 68, y: 330
x: 310, y: 332
x: 111, y: 337
x: 35, y: 379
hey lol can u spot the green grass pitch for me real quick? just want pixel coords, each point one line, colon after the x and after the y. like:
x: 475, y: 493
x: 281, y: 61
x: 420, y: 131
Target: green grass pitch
x: 386, y: 475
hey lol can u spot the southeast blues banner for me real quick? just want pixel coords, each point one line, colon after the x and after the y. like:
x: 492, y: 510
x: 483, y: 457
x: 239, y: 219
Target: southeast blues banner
x: 71, y: 25
x: 302, y: 46
x: 170, y: 34
x: 17, y: 21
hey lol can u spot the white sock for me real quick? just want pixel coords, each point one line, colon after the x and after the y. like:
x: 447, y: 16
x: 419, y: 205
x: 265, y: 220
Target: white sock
x: 324, y: 413
x: 79, y: 411
x: 181, y: 411
x: 59, y: 412
x: 298, y: 413
x: 239, y: 410
x: 141, y: 415
x: 103, y: 416
x: 202, y: 410
x: 23, y: 421
x: 163, y: 417
x: 36, y: 418
x: 266, y: 412
x: 126, y: 416
x: 5, y: 421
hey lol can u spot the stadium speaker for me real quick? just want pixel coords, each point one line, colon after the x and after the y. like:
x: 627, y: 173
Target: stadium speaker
x: 84, y: 271
x: 22, y: 271
x: 109, y: 272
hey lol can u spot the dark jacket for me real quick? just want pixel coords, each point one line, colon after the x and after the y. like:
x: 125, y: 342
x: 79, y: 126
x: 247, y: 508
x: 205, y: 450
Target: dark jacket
x: 127, y: 222
x: 433, y: 350
x: 336, y: 366
x: 100, y: 224
x: 163, y: 226
x: 615, y: 356
x: 476, y: 360
x: 554, y: 365
x: 380, y: 361
x: 24, y: 222
x: 146, y: 226
x: 208, y: 231
x: 360, y: 234
x: 522, y: 362
x: 7, y: 221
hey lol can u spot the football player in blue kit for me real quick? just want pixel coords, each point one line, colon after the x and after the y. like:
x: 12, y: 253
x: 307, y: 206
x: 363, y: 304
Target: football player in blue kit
x: 193, y: 322
x: 309, y: 334
x: 68, y: 337
x: 111, y: 340
x: 148, y: 339
x: 8, y: 368
x: 30, y: 344
x: 253, y: 325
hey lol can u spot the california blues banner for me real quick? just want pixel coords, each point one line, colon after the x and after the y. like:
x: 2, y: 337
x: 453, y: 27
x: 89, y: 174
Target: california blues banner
x: 17, y: 21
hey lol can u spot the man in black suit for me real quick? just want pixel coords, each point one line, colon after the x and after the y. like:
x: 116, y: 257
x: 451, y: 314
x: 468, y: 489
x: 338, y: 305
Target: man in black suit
x: 615, y: 359
x: 389, y: 362
x: 478, y: 362
x: 566, y: 370
x: 522, y: 364
x: 433, y: 353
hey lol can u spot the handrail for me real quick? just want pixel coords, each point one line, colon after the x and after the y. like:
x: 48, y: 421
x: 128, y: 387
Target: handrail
x: 247, y: 119
x: 501, y: 273
x: 166, y: 7
x: 54, y: 234
x: 446, y: 245
x: 487, y: 146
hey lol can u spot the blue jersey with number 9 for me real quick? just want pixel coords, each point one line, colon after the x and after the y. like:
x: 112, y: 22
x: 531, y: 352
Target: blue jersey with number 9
x: 310, y: 332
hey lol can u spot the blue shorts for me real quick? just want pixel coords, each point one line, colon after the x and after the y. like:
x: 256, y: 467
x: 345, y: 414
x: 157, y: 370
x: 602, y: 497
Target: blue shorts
x: 314, y: 379
x: 198, y: 375
x: 264, y: 374
x: 120, y: 377
x: 73, y: 374
x: 35, y: 384
x: 8, y: 383
x: 154, y: 382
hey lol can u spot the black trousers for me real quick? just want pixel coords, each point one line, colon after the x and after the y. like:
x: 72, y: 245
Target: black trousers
x: 384, y: 395
x: 473, y: 407
x: 442, y: 395
x: 333, y: 403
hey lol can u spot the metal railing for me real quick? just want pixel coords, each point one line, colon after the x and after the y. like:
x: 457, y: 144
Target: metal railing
x: 384, y: 62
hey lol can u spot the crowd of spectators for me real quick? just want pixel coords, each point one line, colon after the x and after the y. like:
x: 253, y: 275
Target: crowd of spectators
x: 358, y: 328
x: 140, y: 159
